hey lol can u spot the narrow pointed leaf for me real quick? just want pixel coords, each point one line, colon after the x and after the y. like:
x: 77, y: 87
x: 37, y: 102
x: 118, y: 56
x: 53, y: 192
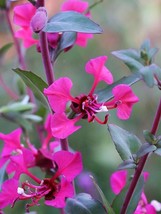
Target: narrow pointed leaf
x: 145, y: 149
x: 106, y: 94
x: 125, y: 142
x: 127, y: 164
x: 5, y: 48
x: 104, y: 200
x: 35, y: 83
x: 147, y: 74
x: 130, y: 57
x: 83, y: 203
x: 71, y: 21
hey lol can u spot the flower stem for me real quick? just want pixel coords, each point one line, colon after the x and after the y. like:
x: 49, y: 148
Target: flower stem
x: 141, y: 163
x: 46, y: 58
x: 64, y: 144
x: 12, y: 94
x: 16, y: 43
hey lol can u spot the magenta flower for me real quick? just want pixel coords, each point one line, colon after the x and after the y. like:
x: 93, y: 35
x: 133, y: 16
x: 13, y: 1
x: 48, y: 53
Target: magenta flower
x: 54, y: 189
x: 22, y: 17
x: 118, y: 181
x: 80, y: 7
x: 124, y: 99
x: 86, y: 106
x: 8, y: 194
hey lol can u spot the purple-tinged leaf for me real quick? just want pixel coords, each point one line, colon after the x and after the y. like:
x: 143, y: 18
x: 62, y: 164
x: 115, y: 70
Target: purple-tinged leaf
x: 145, y: 149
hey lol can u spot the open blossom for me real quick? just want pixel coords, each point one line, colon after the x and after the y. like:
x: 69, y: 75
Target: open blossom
x: 33, y: 20
x: 118, y: 181
x: 87, y: 106
x: 61, y: 168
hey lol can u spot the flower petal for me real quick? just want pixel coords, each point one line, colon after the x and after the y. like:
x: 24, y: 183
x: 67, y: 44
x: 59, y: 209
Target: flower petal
x: 98, y: 70
x: 62, y: 127
x: 26, y: 35
x: 118, y: 181
x: 75, y: 5
x: 9, y: 193
x: 23, y: 14
x: 58, y: 94
x: 69, y: 164
x: 66, y: 191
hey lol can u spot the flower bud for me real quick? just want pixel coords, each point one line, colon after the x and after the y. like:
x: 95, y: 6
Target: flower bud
x: 39, y: 20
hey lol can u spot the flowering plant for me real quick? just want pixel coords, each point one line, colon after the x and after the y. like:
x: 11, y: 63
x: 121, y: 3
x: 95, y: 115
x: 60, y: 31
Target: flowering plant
x: 45, y: 113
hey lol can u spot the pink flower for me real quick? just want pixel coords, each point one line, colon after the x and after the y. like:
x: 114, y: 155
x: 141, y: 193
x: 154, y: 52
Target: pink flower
x: 144, y: 206
x: 86, y: 106
x: 23, y: 14
x: 124, y: 99
x: 80, y: 7
x: 118, y: 181
x: 8, y: 194
x: 22, y: 17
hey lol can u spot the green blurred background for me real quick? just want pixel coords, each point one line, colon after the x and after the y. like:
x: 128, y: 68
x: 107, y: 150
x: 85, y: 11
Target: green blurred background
x: 126, y: 24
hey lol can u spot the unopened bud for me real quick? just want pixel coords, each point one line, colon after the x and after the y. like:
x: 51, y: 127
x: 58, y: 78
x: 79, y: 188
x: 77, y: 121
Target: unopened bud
x: 39, y: 20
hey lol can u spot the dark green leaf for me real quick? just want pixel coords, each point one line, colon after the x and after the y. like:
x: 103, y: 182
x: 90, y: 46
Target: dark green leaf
x: 127, y: 164
x: 2, y: 4
x: 106, y: 204
x: 106, y: 94
x: 71, y: 21
x: 130, y: 57
x: 5, y: 48
x: 125, y: 142
x: 35, y: 83
x: 67, y: 40
x: 83, y: 203
x: 145, y: 149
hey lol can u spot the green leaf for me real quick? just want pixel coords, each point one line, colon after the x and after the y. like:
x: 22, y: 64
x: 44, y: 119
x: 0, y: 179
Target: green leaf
x: 106, y: 94
x: 83, y: 203
x: 2, y: 4
x: 149, y: 137
x: 106, y: 204
x: 145, y: 149
x: 130, y: 57
x: 35, y: 83
x: 147, y: 74
x: 158, y: 151
x: 5, y: 48
x: 125, y: 142
x: 71, y: 21
x: 20, y: 106
x: 127, y: 164
x: 67, y: 40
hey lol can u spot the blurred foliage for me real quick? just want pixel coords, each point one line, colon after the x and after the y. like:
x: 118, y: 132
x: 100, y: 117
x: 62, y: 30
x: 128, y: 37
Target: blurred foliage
x: 126, y: 24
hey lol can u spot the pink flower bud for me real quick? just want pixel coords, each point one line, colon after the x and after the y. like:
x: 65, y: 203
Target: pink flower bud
x: 39, y: 20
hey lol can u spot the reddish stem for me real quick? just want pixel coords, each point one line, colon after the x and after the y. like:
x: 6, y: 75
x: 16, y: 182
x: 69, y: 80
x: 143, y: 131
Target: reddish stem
x: 141, y: 163
x: 13, y: 95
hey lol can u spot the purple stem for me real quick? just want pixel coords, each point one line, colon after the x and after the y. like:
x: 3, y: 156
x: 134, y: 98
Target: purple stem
x: 16, y: 43
x: 141, y: 163
x: 46, y: 58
